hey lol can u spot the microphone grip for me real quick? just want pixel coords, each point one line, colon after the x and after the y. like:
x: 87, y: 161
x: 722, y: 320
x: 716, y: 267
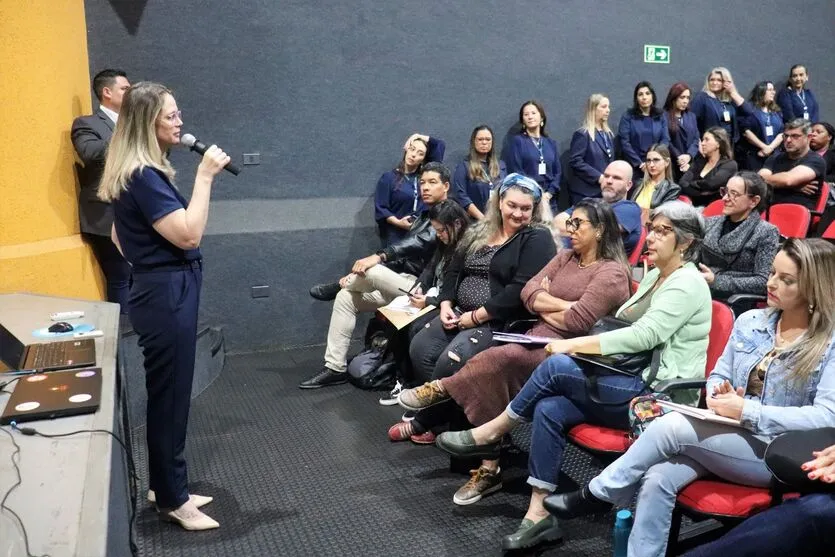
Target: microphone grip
x: 200, y: 147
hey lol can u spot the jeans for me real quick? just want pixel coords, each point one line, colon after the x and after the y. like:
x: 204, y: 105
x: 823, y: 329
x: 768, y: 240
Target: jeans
x: 797, y: 527
x: 674, y: 451
x: 437, y: 352
x: 555, y: 398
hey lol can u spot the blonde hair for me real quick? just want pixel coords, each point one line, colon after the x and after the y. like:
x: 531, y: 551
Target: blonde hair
x: 815, y: 260
x: 589, y: 124
x: 480, y: 233
x: 134, y: 145
x: 726, y: 76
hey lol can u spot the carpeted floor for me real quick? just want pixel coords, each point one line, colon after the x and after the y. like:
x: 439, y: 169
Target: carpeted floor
x: 312, y: 473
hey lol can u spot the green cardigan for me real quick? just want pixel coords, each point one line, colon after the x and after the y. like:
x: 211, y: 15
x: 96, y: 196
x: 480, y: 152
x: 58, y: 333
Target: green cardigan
x: 679, y: 317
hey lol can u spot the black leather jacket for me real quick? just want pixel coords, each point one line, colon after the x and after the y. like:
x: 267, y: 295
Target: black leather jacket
x: 412, y: 253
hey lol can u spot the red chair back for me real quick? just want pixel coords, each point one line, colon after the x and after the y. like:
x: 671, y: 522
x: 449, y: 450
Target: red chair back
x: 635, y: 256
x: 829, y: 233
x: 791, y: 219
x: 685, y: 199
x: 714, y: 209
x: 821, y: 205
x: 721, y: 325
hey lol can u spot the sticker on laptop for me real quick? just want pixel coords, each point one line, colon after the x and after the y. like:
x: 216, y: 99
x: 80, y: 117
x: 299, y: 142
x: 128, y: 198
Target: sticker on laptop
x: 80, y: 398
x: 87, y: 373
x: 36, y: 378
x: 27, y: 406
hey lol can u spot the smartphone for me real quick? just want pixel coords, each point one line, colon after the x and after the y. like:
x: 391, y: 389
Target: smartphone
x: 407, y: 293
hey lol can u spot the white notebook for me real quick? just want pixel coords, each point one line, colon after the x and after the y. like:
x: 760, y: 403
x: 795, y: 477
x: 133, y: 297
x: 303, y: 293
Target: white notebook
x: 700, y: 413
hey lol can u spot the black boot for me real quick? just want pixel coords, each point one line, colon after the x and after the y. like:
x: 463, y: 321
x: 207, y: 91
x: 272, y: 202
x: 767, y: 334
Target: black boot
x: 575, y: 503
x: 325, y: 292
x: 324, y: 378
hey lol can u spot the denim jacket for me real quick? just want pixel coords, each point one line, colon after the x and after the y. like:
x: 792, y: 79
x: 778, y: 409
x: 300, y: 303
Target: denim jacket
x: 786, y: 404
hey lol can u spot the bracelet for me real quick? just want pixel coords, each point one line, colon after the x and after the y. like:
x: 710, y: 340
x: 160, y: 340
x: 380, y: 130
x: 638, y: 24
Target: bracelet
x: 475, y: 319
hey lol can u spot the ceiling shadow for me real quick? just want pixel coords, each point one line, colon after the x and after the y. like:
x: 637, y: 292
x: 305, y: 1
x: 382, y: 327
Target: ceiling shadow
x: 130, y: 12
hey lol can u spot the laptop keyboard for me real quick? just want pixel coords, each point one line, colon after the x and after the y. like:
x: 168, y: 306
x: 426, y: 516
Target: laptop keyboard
x: 49, y: 354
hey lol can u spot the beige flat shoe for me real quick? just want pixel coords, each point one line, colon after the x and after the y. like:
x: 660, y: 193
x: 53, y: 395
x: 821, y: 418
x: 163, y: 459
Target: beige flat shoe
x: 190, y: 518
x: 198, y: 500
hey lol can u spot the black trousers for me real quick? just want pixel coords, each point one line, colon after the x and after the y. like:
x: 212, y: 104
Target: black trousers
x: 116, y: 269
x: 163, y: 309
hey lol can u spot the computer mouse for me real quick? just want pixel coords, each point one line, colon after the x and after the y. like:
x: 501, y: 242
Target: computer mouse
x: 60, y: 327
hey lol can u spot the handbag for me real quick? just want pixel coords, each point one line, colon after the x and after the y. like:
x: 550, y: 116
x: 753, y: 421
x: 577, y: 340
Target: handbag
x: 613, y: 364
x: 787, y: 452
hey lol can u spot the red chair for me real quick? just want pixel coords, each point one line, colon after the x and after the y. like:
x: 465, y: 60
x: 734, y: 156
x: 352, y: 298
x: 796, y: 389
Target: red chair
x: 791, y: 219
x: 820, y: 206
x: 635, y: 256
x: 685, y: 199
x: 714, y: 209
x: 612, y: 442
x: 829, y: 233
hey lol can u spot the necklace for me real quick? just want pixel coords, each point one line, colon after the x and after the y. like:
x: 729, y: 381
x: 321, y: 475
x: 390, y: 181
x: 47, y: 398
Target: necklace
x: 580, y: 263
x: 781, y: 341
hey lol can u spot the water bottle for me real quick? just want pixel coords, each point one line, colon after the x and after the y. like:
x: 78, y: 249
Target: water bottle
x: 623, y: 526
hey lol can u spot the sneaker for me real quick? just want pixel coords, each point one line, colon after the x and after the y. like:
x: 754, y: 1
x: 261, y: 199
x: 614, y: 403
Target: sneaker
x: 408, y: 416
x: 428, y: 394
x: 482, y: 482
x: 401, y: 431
x: 427, y: 438
x: 390, y: 399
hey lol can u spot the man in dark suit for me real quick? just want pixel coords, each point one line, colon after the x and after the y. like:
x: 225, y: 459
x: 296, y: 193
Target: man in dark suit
x: 90, y: 137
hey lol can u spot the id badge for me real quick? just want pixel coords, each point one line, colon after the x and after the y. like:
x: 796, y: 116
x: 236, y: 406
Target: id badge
x: 805, y: 115
x: 726, y: 115
x: 769, y: 131
x: 542, y: 169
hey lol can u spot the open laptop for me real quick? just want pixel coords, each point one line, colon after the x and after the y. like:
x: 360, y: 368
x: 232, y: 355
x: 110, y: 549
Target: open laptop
x: 54, y: 395
x: 49, y: 356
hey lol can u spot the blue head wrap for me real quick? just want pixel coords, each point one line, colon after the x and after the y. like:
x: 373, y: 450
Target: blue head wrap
x: 523, y: 182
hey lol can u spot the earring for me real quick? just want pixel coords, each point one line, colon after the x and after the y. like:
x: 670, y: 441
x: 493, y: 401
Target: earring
x: 598, y: 236
x: 811, y: 308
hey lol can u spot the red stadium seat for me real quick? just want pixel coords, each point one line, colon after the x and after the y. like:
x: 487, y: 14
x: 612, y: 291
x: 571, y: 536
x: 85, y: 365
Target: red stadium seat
x: 714, y: 209
x: 613, y: 442
x: 685, y: 199
x: 829, y: 233
x: 791, y: 219
x: 635, y: 256
x: 820, y: 207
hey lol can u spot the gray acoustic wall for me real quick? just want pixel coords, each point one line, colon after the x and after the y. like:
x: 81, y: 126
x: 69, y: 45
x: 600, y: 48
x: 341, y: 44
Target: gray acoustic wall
x: 326, y: 91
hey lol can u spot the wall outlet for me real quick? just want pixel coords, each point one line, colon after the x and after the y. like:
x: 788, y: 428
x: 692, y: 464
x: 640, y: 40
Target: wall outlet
x: 262, y: 291
x: 252, y: 158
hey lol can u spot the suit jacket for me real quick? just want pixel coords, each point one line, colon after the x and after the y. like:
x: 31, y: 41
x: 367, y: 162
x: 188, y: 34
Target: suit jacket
x: 588, y: 160
x: 90, y: 137
x: 741, y: 259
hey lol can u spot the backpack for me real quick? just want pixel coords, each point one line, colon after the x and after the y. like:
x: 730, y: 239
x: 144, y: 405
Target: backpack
x: 374, y: 369
x: 642, y: 411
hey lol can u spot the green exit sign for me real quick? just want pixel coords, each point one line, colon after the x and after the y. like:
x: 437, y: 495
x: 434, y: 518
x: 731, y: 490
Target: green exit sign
x: 656, y: 54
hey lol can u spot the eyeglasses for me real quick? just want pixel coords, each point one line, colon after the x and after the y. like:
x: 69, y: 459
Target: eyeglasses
x: 794, y: 135
x: 574, y: 224
x: 655, y: 161
x: 174, y: 116
x: 660, y: 230
x: 732, y: 195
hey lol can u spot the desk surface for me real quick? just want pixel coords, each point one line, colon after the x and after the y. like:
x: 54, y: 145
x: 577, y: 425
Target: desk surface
x: 63, y: 495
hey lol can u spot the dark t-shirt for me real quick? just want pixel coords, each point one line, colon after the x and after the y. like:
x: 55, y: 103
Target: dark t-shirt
x: 780, y: 162
x: 149, y: 197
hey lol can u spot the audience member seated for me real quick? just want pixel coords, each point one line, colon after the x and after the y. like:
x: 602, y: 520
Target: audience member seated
x: 718, y: 103
x: 479, y: 172
x: 640, y: 127
x: 683, y: 128
x: 397, y: 197
x: 481, y: 289
x: 762, y: 130
x: 795, y: 100
x: 592, y: 149
x: 670, y: 310
x: 820, y: 141
x: 777, y: 374
x: 711, y: 170
x: 800, y: 526
x: 533, y: 154
x: 617, y: 179
x: 791, y: 171
x: 739, y: 246
x: 657, y: 186
x: 449, y: 221
x: 574, y: 290
x: 376, y: 280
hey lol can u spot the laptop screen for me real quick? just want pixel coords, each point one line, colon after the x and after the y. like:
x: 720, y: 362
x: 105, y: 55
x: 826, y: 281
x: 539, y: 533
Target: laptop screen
x: 11, y: 349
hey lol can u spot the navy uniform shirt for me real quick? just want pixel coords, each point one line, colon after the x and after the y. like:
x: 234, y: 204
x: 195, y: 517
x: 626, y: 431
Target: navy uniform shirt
x: 149, y: 197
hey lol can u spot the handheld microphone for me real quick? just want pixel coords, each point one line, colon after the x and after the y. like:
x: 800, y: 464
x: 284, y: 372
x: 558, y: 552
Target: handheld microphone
x: 198, y: 146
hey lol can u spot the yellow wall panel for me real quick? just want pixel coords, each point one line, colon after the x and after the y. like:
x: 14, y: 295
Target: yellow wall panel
x: 44, y: 85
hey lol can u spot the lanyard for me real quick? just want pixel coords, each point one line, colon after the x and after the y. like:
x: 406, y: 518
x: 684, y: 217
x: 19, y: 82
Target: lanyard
x: 604, y: 138
x: 415, y: 186
x: 802, y: 97
x: 538, y: 144
x: 767, y: 118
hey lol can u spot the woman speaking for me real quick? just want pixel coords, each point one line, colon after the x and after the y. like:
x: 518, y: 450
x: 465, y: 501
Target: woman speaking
x: 159, y: 232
